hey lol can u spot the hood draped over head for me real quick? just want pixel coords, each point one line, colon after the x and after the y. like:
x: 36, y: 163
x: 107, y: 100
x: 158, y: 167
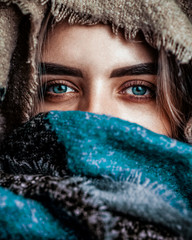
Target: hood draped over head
x: 166, y: 24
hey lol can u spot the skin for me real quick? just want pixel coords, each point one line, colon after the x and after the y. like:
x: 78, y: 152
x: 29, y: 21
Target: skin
x: 97, y: 55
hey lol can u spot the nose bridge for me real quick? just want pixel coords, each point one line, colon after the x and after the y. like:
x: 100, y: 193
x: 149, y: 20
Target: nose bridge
x: 97, y: 97
x: 96, y: 104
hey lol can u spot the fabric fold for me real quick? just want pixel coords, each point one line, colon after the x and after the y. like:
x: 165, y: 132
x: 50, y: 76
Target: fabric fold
x: 103, y: 173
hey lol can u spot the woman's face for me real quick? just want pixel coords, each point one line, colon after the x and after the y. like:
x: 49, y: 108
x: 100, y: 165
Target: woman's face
x: 88, y: 68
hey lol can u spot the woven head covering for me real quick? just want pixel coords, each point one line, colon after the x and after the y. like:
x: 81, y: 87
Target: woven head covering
x: 163, y: 23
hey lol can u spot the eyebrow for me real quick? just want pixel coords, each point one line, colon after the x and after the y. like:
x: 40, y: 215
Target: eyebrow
x: 57, y: 69
x: 140, y: 69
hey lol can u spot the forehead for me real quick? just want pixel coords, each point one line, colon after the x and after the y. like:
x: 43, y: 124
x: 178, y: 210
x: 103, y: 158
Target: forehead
x: 95, y: 43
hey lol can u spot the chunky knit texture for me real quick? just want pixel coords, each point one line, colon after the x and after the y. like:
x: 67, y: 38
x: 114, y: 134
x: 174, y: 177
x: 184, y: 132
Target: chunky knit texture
x: 22, y: 218
x: 102, y: 176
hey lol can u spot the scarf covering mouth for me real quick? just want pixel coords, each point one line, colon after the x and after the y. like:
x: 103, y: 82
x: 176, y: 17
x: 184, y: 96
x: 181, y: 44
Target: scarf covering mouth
x: 96, y: 174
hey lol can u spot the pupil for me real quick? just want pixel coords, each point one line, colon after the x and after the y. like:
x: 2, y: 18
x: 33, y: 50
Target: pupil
x: 139, y: 90
x: 60, y: 89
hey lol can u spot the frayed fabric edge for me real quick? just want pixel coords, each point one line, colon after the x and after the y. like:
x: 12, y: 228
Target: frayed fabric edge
x: 149, y: 206
x: 61, y: 12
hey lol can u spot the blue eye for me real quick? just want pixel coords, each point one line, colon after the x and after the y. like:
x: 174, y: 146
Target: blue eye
x: 138, y: 90
x: 59, y: 89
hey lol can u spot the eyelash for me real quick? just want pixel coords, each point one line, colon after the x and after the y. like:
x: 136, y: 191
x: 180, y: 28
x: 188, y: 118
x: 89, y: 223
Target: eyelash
x: 49, y: 84
x: 150, y: 88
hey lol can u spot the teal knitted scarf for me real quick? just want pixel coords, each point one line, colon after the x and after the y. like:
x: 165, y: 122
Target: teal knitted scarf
x: 122, y: 150
x: 150, y: 175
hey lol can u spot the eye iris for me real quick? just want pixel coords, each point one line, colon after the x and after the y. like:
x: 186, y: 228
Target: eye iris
x: 60, y: 89
x: 139, y: 90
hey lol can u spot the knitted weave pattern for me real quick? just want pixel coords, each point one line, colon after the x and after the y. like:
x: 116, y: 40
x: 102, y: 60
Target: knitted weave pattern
x: 112, y: 178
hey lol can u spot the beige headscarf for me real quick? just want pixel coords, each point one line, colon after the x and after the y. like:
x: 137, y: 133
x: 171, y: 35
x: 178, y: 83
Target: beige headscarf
x: 166, y: 23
